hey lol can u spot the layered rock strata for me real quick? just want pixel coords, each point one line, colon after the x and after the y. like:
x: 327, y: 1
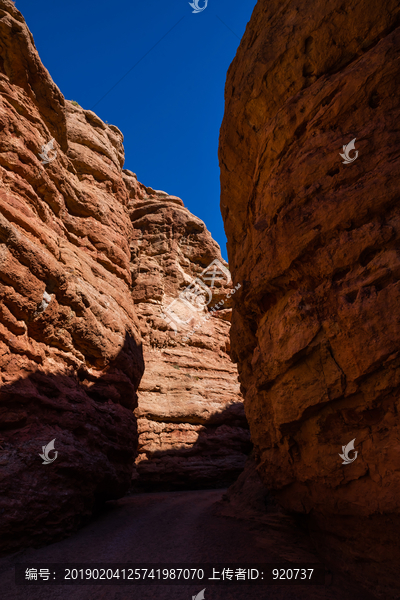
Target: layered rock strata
x: 314, y: 243
x: 191, y: 423
x: 88, y: 259
x: 70, y: 345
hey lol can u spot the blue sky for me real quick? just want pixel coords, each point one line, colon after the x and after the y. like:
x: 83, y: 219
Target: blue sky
x: 170, y: 106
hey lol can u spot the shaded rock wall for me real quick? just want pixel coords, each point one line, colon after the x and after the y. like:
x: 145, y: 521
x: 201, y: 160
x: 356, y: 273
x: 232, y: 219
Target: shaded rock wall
x: 315, y: 244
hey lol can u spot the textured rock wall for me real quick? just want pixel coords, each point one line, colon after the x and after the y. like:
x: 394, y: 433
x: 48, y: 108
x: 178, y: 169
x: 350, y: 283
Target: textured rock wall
x: 70, y: 344
x: 315, y: 243
x: 192, y: 428
x: 88, y: 259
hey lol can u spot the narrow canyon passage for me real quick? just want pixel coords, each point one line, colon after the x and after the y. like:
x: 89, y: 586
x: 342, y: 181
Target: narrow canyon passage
x: 135, y: 360
x: 174, y: 527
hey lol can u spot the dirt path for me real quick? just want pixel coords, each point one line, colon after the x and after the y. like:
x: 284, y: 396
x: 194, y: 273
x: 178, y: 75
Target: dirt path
x: 172, y: 527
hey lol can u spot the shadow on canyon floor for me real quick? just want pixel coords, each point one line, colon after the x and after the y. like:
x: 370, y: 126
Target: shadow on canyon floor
x: 91, y: 418
x: 180, y: 528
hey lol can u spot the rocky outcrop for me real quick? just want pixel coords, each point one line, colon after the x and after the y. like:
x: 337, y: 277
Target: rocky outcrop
x: 314, y: 243
x: 191, y: 423
x: 70, y: 345
x: 89, y: 260
x: 248, y: 498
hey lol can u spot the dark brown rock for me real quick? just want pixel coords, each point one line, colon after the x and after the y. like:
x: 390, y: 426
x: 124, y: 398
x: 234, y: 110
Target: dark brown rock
x: 315, y: 244
x: 247, y: 498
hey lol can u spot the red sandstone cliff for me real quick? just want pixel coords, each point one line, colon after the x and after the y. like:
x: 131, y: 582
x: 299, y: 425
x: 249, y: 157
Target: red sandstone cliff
x: 70, y: 346
x: 315, y: 244
x: 192, y: 428
x: 88, y: 258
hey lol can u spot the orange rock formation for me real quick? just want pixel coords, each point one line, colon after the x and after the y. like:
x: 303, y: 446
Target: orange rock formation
x: 88, y: 260
x: 314, y: 242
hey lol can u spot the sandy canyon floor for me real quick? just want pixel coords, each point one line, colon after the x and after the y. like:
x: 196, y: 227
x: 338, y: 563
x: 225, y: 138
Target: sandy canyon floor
x: 175, y: 527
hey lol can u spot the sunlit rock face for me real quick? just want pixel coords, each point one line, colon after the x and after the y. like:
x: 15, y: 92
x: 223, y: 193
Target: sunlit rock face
x: 313, y: 239
x: 191, y: 423
x: 89, y: 260
x: 70, y: 345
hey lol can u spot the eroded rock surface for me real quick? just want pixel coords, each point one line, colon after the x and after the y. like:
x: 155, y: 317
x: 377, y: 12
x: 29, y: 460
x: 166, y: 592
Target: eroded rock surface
x: 88, y: 259
x: 70, y: 344
x: 191, y: 423
x: 314, y: 242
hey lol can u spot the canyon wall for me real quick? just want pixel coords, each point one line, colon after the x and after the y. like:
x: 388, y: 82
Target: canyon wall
x: 70, y: 347
x: 89, y: 260
x: 314, y: 241
x: 191, y: 423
